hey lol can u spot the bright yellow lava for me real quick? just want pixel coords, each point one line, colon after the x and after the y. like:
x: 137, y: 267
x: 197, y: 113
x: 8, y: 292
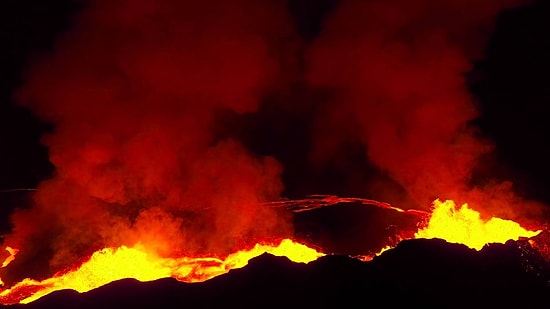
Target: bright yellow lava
x: 464, y: 226
x: 109, y: 265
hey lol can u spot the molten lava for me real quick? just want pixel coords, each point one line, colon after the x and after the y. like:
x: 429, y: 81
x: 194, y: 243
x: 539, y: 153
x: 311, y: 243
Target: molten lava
x: 108, y: 265
x: 462, y: 225
x: 11, y: 257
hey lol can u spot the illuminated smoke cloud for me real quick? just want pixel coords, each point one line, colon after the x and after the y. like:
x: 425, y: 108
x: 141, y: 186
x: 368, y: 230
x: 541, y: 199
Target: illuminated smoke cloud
x: 395, y: 71
x: 132, y: 91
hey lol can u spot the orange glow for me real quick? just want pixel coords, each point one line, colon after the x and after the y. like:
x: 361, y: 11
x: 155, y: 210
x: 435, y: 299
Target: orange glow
x: 370, y: 257
x: 456, y: 225
x: 464, y: 226
x: 109, y: 265
x: 11, y: 257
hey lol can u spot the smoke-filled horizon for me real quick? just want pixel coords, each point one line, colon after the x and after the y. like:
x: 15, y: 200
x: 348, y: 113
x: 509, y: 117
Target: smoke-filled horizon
x: 174, y: 121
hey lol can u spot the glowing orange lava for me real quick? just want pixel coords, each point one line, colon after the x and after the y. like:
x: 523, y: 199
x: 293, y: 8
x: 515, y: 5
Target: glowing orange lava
x: 109, y: 265
x: 9, y: 259
x: 464, y: 226
x: 456, y: 225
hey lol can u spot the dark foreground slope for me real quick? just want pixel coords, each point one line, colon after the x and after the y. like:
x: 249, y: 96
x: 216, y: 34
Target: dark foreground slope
x: 427, y: 273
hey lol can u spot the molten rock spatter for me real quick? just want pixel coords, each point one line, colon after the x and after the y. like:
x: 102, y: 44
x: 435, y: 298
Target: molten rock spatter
x: 464, y: 226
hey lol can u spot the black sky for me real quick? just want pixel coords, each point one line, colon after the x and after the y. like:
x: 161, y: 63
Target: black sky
x: 511, y: 86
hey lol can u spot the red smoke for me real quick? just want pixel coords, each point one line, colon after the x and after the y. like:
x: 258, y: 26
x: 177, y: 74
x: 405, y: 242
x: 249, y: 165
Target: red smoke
x: 132, y: 91
x: 395, y: 70
x: 134, y: 88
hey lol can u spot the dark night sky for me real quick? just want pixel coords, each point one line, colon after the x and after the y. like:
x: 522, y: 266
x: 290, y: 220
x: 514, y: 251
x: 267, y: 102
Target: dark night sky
x: 512, y: 88
x: 27, y: 29
x: 511, y: 85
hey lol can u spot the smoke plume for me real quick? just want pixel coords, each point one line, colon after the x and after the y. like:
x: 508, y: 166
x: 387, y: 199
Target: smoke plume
x: 131, y: 92
x: 395, y: 70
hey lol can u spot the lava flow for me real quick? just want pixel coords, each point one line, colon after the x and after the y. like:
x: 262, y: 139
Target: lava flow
x: 111, y: 264
x: 462, y: 225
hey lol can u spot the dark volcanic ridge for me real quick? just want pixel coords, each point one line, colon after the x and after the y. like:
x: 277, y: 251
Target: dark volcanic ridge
x: 428, y: 273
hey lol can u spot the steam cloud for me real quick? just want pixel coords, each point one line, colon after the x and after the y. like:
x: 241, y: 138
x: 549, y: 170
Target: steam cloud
x: 134, y: 88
